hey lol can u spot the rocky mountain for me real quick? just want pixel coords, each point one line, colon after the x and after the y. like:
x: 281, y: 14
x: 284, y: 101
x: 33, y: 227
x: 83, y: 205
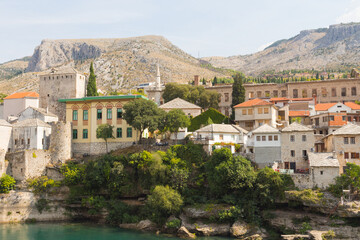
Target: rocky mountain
x: 336, y: 47
x: 119, y: 63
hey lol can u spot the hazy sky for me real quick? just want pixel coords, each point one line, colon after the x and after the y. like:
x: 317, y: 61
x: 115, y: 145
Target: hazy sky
x: 199, y: 27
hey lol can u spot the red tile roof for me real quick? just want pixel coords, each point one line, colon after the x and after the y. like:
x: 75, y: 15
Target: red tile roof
x: 353, y: 105
x: 323, y: 106
x: 23, y: 95
x: 279, y: 99
x: 298, y: 113
x: 253, y: 102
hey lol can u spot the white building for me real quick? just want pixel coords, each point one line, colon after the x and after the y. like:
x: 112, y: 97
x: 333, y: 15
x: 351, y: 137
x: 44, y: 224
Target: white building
x: 30, y: 134
x: 324, y: 168
x: 188, y: 108
x: 38, y: 113
x: 220, y: 135
x: 5, y: 133
x: 17, y: 102
x: 265, y: 143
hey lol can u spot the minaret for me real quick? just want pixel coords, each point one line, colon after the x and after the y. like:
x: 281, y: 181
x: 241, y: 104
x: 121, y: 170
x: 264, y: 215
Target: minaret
x: 158, y: 80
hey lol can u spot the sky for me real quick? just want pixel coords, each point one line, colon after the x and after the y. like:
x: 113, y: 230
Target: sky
x: 201, y: 28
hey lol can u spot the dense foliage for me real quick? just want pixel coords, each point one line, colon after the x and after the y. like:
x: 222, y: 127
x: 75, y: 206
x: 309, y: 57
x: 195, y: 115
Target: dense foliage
x: 194, y: 94
x: 182, y: 175
x: 176, y: 119
x: 91, y: 89
x: 209, y: 116
x: 105, y: 131
x: 238, y: 92
x: 7, y: 183
x: 350, y: 180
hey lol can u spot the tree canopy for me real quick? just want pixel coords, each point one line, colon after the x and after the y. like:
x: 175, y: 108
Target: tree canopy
x: 176, y: 119
x: 91, y: 89
x: 238, y: 92
x: 194, y: 94
x: 143, y: 114
x: 105, y: 131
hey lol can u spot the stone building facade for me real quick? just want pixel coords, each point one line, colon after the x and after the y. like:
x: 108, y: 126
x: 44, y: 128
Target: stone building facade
x: 296, y: 142
x: 324, y: 91
x: 58, y: 84
x: 60, y: 142
x: 38, y: 113
x: 225, y: 91
x: 17, y: 102
x: 86, y: 114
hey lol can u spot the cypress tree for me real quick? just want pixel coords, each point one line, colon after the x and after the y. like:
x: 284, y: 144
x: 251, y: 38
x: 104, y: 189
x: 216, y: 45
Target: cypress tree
x: 238, y: 92
x: 91, y: 89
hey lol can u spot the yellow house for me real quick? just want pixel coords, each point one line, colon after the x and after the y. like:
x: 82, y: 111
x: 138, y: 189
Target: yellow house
x: 87, y: 113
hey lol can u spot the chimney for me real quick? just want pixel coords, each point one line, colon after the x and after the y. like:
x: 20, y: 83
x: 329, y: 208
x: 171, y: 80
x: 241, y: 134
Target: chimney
x: 196, y: 80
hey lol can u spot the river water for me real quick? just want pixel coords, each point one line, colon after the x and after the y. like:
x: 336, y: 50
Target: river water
x: 76, y: 231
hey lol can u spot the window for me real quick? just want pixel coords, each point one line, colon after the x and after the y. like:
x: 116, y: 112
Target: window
x: 270, y: 138
x: 22, y: 141
x: 303, y: 137
x: 109, y: 113
x: 244, y: 112
x: 292, y: 153
x: 99, y: 114
x: 354, y: 155
x: 119, y: 113
x: 324, y: 92
x: 314, y: 92
x: 349, y: 119
x: 119, y: 132
x: 75, y: 115
x: 257, y: 139
x: 129, y: 132
x: 321, y: 172
x: 333, y: 92
x: 331, y: 118
x: 85, y: 115
x: 292, y: 138
x: 275, y: 137
x: 346, y: 155
x: 353, y: 91
x: 346, y: 140
x: 226, y: 97
x: 221, y: 137
x: 283, y: 93
x: 343, y: 92
x: 251, y: 94
x: 258, y: 93
x: 343, y: 118
x: 304, y: 93
x: 28, y: 141
x: 16, y: 141
x: 304, y: 153
x: 85, y: 133
x: 266, y: 110
x: 75, y: 133
x: 295, y: 93
x: 250, y: 111
x: 275, y: 93
x: 267, y: 93
x: 352, y: 140
x: 263, y: 138
x: 260, y: 110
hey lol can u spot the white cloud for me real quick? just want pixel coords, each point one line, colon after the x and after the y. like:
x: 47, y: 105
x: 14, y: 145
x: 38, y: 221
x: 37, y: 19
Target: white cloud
x: 262, y: 47
x: 352, y: 15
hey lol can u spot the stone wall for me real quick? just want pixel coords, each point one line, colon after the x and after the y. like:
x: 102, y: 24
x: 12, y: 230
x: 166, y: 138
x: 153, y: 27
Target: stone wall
x: 302, y: 181
x: 2, y: 162
x: 27, y: 164
x: 97, y: 148
x: 60, y: 142
x: 266, y: 156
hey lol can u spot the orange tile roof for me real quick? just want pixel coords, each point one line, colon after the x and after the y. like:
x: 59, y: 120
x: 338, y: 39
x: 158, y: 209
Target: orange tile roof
x: 353, y: 105
x: 298, y: 113
x: 323, y: 106
x: 278, y: 99
x: 253, y: 102
x: 23, y: 95
x: 301, y: 99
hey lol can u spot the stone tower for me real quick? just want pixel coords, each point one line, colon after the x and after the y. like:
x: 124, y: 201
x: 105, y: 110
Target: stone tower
x: 57, y: 84
x: 155, y: 94
x: 60, y: 142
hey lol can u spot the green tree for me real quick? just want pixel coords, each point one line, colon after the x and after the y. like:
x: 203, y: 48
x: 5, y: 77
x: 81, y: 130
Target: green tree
x: 238, y: 92
x: 176, y: 119
x: 105, y: 131
x: 143, y: 114
x: 91, y: 89
x: 7, y: 183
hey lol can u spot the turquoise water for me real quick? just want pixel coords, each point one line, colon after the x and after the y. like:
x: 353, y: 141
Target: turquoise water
x: 68, y: 231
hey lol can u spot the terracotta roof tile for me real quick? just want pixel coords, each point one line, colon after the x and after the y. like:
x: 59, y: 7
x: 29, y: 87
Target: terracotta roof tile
x: 323, y: 106
x: 298, y: 113
x: 23, y: 95
x: 253, y: 102
x: 353, y: 105
x: 301, y: 99
x: 279, y: 99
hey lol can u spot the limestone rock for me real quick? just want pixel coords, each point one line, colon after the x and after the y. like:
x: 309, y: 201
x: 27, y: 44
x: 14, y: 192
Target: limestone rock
x: 146, y: 225
x: 184, y: 233
x: 239, y: 228
x: 212, y: 229
x: 204, y: 211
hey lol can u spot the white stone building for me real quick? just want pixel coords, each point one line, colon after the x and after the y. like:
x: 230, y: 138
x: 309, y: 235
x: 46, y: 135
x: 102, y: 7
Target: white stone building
x: 188, y: 108
x: 5, y: 133
x: 324, y: 168
x: 30, y: 134
x: 38, y: 113
x: 265, y: 143
x: 17, y: 102
x: 220, y: 135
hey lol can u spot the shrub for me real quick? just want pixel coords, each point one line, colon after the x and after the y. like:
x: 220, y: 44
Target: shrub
x: 96, y: 204
x: 305, y: 227
x: 42, y: 184
x: 328, y: 235
x: 163, y: 202
x: 175, y: 223
x: 42, y: 204
x: 230, y: 215
x: 7, y: 183
x: 214, y: 115
x: 73, y: 174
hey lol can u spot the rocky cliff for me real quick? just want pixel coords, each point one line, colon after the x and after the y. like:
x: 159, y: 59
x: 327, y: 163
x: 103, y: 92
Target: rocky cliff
x: 336, y: 47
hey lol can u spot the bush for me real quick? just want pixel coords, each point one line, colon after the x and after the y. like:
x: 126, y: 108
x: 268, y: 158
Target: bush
x: 42, y: 184
x: 7, y: 183
x: 214, y: 115
x: 96, y: 204
x: 174, y: 224
x: 163, y: 202
x: 230, y: 215
x: 42, y: 204
x: 120, y: 212
x: 73, y: 174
